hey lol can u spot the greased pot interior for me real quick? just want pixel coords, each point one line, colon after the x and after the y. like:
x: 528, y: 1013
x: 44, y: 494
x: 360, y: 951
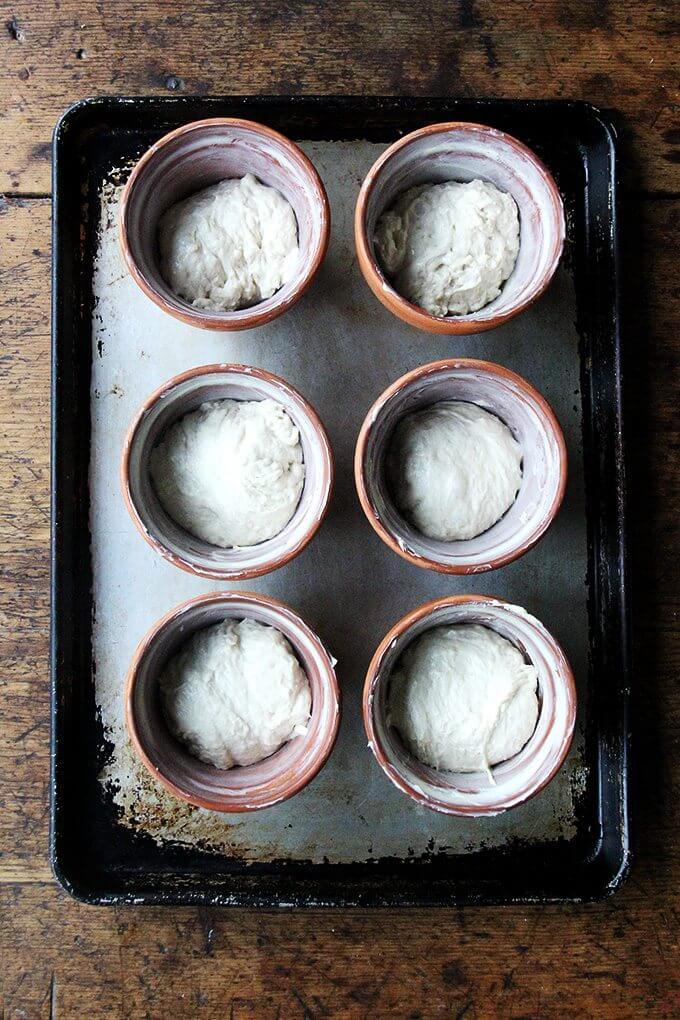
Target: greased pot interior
x: 459, y: 151
x: 518, y: 778
x: 185, y: 393
x: 534, y: 426
x: 204, y: 153
x: 242, y: 788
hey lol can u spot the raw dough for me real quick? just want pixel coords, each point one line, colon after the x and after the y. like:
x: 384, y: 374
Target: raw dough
x: 463, y: 698
x: 454, y: 469
x: 235, y: 693
x: 230, y: 472
x: 229, y: 246
x: 449, y: 247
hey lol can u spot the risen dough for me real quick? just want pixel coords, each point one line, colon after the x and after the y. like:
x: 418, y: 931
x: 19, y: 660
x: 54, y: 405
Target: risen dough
x: 449, y: 247
x: 463, y: 698
x: 454, y: 469
x: 229, y: 246
x: 235, y: 693
x: 231, y: 472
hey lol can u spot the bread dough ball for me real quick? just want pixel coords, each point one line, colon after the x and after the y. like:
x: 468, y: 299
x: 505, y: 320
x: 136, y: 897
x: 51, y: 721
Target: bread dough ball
x: 463, y: 698
x: 229, y: 246
x: 449, y: 247
x: 235, y: 693
x: 231, y: 472
x: 454, y: 469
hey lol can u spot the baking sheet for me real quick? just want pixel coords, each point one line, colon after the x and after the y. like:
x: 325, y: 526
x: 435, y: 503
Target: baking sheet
x: 341, y: 348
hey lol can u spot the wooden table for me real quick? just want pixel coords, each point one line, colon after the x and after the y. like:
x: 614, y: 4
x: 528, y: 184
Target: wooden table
x: 615, y: 959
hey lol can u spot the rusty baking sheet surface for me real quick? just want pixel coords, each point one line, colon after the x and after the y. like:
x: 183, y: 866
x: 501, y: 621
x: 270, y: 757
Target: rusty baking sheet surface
x: 341, y: 349
x: 349, y: 837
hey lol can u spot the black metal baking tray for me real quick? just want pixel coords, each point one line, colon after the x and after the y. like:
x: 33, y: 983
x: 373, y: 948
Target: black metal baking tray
x: 98, y: 860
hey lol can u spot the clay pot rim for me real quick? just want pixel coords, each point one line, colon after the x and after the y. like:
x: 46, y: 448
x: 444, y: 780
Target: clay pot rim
x: 228, y: 321
x: 227, y: 597
x: 414, y: 315
x: 398, y: 630
x: 367, y: 505
x: 225, y: 573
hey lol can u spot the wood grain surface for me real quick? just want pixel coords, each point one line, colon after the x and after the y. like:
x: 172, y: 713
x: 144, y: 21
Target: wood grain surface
x: 61, y: 959
x: 612, y: 53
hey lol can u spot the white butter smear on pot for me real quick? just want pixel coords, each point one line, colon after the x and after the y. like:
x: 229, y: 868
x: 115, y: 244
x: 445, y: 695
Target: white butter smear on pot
x: 454, y: 469
x: 229, y: 246
x: 231, y: 472
x: 449, y: 247
x: 463, y: 699
x: 235, y: 693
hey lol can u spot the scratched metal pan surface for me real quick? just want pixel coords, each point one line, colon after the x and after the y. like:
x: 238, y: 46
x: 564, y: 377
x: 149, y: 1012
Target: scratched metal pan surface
x: 349, y: 838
